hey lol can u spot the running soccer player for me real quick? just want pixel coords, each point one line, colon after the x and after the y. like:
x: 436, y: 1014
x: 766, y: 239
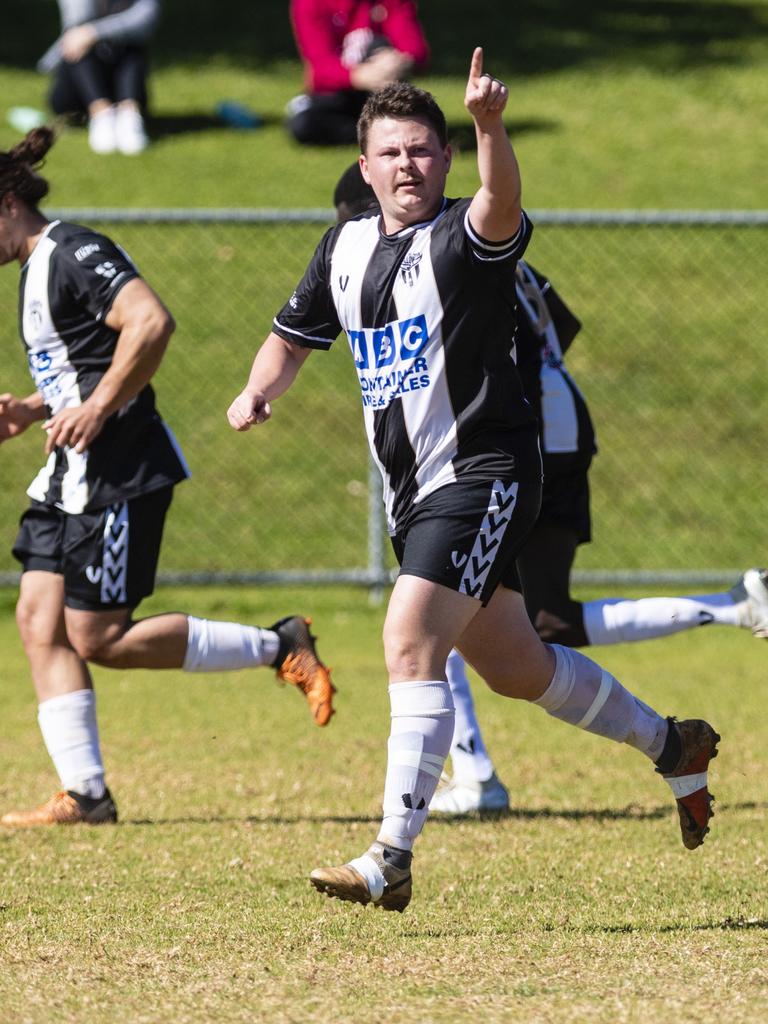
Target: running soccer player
x: 424, y: 292
x: 546, y: 328
x: 95, y: 334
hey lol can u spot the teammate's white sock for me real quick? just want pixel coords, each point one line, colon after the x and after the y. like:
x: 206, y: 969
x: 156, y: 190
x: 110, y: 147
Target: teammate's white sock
x: 622, y: 621
x: 221, y: 646
x: 71, y: 736
x: 585, y: 695
x: 419, y: 741
x: 469, y: 756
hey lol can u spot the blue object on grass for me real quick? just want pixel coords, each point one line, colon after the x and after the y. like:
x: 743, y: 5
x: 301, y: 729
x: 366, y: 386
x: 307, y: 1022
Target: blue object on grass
x: 237, y: 115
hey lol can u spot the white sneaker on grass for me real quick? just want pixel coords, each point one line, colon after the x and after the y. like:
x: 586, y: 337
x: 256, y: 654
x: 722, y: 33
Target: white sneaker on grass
x: 459, y: 798
x: 101, y: 131
x: 751, y: 594
x: 130, y: 134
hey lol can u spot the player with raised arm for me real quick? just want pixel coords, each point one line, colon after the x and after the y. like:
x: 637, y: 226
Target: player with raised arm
x: 95, y: 334
x: 424, y: 290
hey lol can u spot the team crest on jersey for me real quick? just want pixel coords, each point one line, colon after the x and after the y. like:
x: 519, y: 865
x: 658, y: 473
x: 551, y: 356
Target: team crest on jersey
x: 34, y: 313
x: 409, y: 268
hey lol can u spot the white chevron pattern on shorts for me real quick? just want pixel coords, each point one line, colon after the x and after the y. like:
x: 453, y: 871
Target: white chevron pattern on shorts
x: 488, y: 541
x: 114, y: 577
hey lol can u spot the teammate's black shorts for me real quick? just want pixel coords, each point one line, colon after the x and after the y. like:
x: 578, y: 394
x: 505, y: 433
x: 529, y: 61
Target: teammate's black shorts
x: 565, y: 497
x: 466, y: 535
x: 108, y: 557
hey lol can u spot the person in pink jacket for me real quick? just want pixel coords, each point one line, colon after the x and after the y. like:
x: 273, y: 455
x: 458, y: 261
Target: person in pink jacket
x: 349, y: 48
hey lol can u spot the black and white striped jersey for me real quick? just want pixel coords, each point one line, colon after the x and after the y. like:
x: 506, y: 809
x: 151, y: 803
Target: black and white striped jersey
x: 429, y: 314
x: 67, y: 288
x: 545, y: 329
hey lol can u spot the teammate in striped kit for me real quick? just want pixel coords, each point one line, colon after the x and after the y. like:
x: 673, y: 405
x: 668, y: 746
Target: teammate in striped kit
x: 424, y: 290
x: 95, y: 334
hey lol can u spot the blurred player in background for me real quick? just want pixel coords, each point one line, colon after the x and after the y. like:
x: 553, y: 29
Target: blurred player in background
x: 349, y: 48
x: 100, y: 65
x: 424, y: 291
x: 546, y: 328
x: 95, y: 334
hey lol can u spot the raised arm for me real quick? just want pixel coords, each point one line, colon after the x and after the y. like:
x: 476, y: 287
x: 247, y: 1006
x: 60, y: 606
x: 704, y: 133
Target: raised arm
x: 495, y: 210
x: 144, y: 328
x: 274, y: 370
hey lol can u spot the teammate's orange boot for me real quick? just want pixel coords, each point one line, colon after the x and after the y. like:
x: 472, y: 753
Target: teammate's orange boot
x: 297, y: 663
x: 65, y: 808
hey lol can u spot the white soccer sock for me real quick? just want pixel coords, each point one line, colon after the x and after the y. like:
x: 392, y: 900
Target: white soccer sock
x: 585, y: 695
x: 71, y: 736
x: 622, y: 621
x: 469, y: 756
x: 419, y: 741
x: 221, y: 646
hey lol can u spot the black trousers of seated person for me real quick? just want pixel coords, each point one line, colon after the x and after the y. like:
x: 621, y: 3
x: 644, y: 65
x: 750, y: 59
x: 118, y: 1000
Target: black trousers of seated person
x: 107, y: 72
x: 327, y: 118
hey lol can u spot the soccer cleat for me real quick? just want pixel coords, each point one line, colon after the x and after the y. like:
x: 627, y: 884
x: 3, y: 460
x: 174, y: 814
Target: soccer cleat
x: 297, y: 663
x: 65, y: 808
x: 751, y: 594
x: 688, y: 781
x: 464, y: 798
x: 346, y: 883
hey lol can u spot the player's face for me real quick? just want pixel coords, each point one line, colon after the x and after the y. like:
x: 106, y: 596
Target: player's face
x: 406, y: 166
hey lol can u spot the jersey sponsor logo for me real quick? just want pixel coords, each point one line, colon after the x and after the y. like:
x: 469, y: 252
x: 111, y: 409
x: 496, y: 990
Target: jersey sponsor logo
x: 396, y: 349
x: 106, y: 269
x: 374, y: 348
x: 293, y: 302
x: 409, y: 268
x: 86, y: 250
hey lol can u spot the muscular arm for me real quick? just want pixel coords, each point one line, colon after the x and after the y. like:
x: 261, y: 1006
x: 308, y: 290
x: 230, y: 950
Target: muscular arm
x: 274, y: 370
x: 495, y: 210
x: 144, y: 328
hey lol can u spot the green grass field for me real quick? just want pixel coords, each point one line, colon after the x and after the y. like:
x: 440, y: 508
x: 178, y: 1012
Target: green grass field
x: 582, y: 905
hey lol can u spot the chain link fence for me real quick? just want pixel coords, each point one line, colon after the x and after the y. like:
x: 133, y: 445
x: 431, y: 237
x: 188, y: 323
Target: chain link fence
x: 670, y: 359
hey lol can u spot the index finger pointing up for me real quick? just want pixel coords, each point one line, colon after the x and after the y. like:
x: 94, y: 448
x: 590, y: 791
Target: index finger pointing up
x: 476, y: 67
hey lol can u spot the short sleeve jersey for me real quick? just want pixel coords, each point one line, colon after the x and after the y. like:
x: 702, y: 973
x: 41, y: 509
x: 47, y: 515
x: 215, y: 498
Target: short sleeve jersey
x: 429, y: 315
x: 67, y: 288
x: 545, y: 329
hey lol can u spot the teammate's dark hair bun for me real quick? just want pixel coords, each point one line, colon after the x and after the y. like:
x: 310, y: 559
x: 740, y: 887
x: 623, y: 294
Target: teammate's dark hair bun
x: 18, y: 167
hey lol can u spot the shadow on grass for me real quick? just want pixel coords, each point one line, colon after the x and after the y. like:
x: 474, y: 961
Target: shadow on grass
x: 631, y: 813
x: 726, y: 925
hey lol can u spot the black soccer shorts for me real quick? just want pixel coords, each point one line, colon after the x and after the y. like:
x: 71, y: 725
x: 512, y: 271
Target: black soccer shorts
x: 466, y: 536
x: 108, y: 557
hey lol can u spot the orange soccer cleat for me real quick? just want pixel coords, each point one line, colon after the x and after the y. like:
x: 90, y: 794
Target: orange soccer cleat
x: 297, y: 663
x: 65, y: 808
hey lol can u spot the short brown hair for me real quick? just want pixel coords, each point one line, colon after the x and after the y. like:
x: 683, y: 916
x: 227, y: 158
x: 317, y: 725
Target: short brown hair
x: 401, y: 100
x: 18, y: 167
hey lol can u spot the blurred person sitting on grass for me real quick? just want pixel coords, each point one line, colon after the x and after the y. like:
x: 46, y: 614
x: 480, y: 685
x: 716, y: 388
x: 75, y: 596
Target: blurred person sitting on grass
x: 349, y: 48
x: 100, y: 66
x: 95, y: 334
x: 423, y: 289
